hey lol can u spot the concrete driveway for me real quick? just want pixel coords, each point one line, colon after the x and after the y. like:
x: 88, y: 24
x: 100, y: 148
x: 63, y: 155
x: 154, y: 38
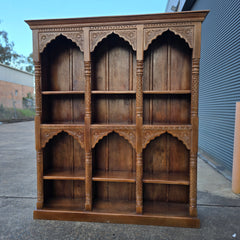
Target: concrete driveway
x: 218, y: 207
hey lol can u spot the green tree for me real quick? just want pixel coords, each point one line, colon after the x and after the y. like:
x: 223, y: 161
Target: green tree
x: 9, y: 56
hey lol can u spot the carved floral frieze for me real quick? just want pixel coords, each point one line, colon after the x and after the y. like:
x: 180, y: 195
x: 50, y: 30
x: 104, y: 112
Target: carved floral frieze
x: 45, y: 38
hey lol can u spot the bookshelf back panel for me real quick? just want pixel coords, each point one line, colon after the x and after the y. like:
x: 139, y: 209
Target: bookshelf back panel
x: 165, y: 154
x: 63, y: 109
x: 62, y: 66
x: 166, y: 109
x: 114, y: 153
x: 63, y: 152
x: 167, y: 64
x: 114, y: 65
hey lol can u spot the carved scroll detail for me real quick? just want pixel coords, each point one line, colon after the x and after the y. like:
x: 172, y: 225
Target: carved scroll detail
x: 128, y: 134
x: 195, y: 83
x: 47, y: 134
x: 45, y: 38
x: 185, y: 33
x: 183, y: 134
x: 128, y: 35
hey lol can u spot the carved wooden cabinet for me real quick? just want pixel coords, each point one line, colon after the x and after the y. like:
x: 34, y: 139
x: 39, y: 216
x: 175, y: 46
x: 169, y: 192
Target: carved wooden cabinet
x: 117, y: 118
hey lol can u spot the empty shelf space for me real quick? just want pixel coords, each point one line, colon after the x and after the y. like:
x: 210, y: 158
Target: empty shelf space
x: 167, y: 92
x: 114, y: 176
x: 167, y: 178
x: 61, y: 92
x: 113, y: 92
x: 61, y: 174
x: 69, y: 204
x: 166, y: 209
x: 115, y: 206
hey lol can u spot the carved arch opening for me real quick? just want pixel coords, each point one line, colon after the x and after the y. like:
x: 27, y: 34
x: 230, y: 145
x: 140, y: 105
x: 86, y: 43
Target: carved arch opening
x: 166, y: 153
x: 113, y: 152
x: 63, y: 152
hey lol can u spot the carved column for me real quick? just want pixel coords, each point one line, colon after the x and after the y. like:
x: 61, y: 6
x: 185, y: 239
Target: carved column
x: 194, y: 147
x: 38, y: 107
x: 40, y: 193
x: 139, y: 122
x: 88, y: 152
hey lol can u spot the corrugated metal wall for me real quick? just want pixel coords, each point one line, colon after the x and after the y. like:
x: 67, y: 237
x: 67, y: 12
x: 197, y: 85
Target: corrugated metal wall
x: 219, y: 87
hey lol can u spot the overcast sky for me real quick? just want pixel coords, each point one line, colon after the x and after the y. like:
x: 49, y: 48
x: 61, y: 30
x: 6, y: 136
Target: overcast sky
x: 14, y: 12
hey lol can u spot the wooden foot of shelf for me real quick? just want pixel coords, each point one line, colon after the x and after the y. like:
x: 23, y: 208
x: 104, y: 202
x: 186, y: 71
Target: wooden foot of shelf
x: 191, y: 222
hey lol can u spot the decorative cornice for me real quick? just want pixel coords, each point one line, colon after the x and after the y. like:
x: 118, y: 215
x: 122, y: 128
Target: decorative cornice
x: 46, y: 38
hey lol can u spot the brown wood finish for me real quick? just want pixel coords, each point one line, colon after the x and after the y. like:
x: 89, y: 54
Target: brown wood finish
x: 117, y: 118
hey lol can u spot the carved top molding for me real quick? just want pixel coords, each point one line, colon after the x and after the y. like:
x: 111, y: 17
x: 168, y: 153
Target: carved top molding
x: 183, y: 133
x: 49, y: 133
x: 185, y: 33
x: 129, y: 35
x: 45, y: 38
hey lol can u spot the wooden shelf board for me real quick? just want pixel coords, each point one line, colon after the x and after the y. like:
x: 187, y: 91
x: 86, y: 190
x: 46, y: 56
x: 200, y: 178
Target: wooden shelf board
x: 167, y: 92
x: 113, y: 92
x: 165, y: 209
x: 60, y: 174
x: 63, y: 124
x: 114, y: 206
x: 66, y: 204
x: 62, y: 92
x: 112, y: 125
x: 114, y: 176
x: 167, y: 178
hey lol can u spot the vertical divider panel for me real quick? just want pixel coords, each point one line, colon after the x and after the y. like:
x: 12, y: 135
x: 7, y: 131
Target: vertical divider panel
x: 88, y: 150
x: 139, y: 122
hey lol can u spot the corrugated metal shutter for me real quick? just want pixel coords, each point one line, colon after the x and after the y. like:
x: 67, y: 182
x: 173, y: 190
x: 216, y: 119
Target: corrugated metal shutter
x: 219, y: 87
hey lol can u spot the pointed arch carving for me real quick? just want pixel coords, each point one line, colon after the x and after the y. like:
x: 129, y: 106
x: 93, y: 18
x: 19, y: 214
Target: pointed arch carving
x: 186, y: 33
x: 128, y: 134
x: 47, y: 134
x: 129, y: 36
x: 46, y: 38
x: 182, y: 134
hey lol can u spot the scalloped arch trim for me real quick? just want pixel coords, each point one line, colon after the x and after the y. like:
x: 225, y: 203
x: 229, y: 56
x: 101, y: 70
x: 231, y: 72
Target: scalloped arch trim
x: 128, y: 36
x: 172, y: 133
x: 46, y: 38
x: 52, y: 134
x: 101, y: 135
x: 184, y: 33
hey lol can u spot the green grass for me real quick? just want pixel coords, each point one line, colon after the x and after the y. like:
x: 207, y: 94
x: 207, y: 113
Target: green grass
x: 11, y: 114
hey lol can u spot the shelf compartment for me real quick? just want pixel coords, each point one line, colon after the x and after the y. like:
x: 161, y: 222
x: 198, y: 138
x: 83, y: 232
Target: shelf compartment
x: 66, y: 204
x: 167, y: 92
x: 114, y: 206
x: 63, y: 108
x: 113, y: 109
x: 114, y: 176
x: 113, y: 92
x: 165, y: 209
x: 62, y: 92
x: 165, y: 109
x: 64, y: 194
x: 63, y: 174
x: 177, y: 178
